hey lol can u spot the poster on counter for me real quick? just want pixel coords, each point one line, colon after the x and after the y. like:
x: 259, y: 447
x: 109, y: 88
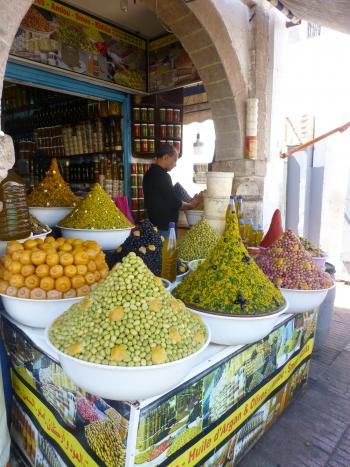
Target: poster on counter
x: 83, y: 429
x: 169, y: 65
x: 54, y: 34
x: 193, y: 421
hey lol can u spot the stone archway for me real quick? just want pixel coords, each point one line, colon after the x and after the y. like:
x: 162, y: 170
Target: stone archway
x: 202, y: 31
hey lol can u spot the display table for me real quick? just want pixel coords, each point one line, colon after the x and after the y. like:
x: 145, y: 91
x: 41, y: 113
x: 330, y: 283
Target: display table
x: 215, y: 416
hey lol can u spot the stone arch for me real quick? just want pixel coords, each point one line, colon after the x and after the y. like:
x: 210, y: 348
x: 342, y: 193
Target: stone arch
x: 200, y: 27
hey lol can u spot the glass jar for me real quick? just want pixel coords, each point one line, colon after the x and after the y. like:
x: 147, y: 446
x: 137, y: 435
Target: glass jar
x: 177, y: 146
x: 144, y: 145
x: 136, y: 114
x: 177, y: 131
x: 177, y: 116
x: 163, y: 131
x: 144, y: 130
x: 151, y: 114
x: 151, y: 130
x: 151, y: 145
x: 137, y: 145
x: 137, y: 130
x: 170, y: 115
x: 162, y: 114
x: 144, y: 114
x: 170, y: 131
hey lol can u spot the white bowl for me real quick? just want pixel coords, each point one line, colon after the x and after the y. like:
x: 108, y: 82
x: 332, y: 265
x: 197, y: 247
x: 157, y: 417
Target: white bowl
x: 193, y: 216
x: 126, y: 383
x: 301, y: 301
x: 50, y: 216
x: 36, y: 313
x: 3, y: 244
x: 166, y: 283
x: 193, y: 265
x: 239, y: 330
x: 108, y: 239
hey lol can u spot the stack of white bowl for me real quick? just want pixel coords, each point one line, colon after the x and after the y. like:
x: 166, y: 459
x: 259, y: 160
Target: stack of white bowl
x: 216, y: 199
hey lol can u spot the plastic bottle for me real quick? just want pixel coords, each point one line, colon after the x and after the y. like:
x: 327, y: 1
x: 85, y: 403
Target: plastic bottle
x: 259, y: 234
x: 242, y: 229
x: 14, y: 217
x: 169, y: 255
x: 253, y: 240
x: 249, y: 230
x: 239, y: 207
x: 231, y: 208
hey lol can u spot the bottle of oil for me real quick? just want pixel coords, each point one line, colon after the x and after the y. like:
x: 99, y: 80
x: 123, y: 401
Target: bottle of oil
x: 14, y: 216
x: 169, y: 255
x: 231, y: 208
x: 259, y: 234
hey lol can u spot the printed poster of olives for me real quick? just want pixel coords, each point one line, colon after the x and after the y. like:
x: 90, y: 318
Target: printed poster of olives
x: 100, y: 427
x: 185, y: 415
x: 169, y: 65
x: 55, y: 34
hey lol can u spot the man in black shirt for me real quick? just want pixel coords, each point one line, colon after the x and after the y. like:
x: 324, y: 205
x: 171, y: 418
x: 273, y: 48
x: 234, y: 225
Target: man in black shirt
x: 161, y: 201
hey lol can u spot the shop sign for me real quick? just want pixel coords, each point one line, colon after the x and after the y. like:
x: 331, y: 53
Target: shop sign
x: 169, y: 65
x: 54, y: 34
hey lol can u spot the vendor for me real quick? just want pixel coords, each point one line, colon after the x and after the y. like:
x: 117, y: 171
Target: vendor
x: 161, y: 201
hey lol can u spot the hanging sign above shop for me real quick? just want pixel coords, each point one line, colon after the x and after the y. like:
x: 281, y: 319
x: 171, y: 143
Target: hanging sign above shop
x: 169, y: 64
x: 55, y: 34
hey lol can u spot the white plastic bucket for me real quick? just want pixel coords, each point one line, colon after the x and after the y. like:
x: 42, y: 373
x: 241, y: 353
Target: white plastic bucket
x: 217, y: 224
x: 219, y: 184
x: 215, y: 208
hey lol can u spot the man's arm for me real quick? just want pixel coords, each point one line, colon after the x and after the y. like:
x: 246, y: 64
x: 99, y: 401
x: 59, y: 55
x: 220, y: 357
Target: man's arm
x: 193, y: 204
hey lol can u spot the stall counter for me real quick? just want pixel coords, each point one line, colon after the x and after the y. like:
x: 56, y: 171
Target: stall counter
x: 212, y: 418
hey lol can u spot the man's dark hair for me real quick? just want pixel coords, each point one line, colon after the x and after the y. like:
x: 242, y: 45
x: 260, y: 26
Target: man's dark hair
x: 166, y: 149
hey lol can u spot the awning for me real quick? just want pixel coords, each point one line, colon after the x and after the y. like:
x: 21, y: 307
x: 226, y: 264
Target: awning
x: 333, y: 14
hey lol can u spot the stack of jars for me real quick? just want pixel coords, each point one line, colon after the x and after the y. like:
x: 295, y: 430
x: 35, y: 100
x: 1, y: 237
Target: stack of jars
x: 170, y: 129
x: 137, y: 196
x: 144, y: 129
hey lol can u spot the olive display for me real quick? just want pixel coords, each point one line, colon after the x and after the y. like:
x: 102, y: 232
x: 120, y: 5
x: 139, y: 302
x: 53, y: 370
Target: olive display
x: 130, y: 319
x: 96, y: 211
x: 198, y: 242
x: 51, y: 268
x: 146, y: 242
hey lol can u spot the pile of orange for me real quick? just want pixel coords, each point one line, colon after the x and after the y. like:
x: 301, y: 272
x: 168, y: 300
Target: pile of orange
x: 51, y: 268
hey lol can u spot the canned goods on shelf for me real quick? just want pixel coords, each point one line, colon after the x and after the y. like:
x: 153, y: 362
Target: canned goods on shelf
x: 151, y: 114
x: 133, y: 180
x: 134, y: 168
x: 170, y: 141
x: 139, y: 179
x: 134, y: 191
x: 134, y: 203
x: 140, y: 168
x: 151, y: 130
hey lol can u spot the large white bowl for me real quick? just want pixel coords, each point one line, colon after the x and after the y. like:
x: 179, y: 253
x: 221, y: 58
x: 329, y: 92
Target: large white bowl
x: 301, y: 301
x: 194, y: 264
x: 239, y: 330
x: 193, y: 216
x: 126, y: 383
x: 3, y: 244
x: 36, y: 313
x: 107, y: 239
x: 50, y: 216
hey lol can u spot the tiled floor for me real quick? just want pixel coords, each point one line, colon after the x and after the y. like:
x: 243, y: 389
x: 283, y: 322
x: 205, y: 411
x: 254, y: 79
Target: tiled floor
x: 315, y: 430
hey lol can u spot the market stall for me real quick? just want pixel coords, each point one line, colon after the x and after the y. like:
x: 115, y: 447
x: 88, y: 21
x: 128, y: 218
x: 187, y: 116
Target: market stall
x: 216, y: 414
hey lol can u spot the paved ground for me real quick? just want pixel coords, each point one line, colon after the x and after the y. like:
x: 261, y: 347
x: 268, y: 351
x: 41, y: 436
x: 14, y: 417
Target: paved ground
x: 315, y: 429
